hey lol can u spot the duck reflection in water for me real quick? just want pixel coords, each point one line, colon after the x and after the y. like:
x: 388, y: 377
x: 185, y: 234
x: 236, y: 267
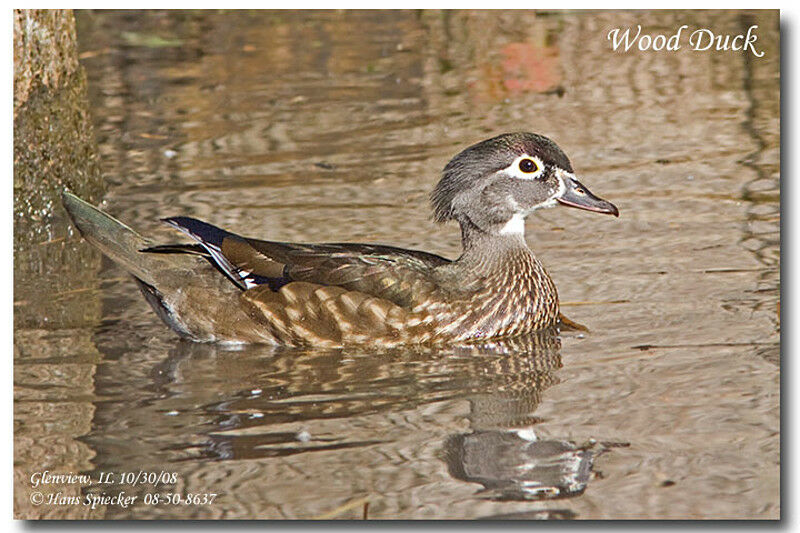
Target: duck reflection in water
x: 265, y: 405
x: 503, y: 452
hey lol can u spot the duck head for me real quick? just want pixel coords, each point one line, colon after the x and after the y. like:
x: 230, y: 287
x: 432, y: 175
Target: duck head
x: 495, y: 184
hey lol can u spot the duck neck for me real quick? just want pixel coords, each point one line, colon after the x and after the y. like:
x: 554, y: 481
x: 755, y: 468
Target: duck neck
x: 498, y: 269
x: 489, y: 250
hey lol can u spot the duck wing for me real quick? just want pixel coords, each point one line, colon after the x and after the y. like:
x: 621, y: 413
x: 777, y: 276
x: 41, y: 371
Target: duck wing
x: 400, y: 276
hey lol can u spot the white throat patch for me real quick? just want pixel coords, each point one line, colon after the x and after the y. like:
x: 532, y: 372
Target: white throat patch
x: 515, y: 226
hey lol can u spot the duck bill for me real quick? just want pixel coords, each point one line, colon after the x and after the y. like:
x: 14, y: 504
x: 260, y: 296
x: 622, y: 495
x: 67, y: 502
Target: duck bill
x: 575, y: 194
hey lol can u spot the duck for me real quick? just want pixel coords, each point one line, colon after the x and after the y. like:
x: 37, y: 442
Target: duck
x: 226, y: 288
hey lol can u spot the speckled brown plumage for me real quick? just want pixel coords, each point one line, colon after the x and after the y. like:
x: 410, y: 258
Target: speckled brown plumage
x: 340, y: 294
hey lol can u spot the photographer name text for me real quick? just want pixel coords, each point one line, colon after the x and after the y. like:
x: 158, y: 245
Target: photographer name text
x: 151, y: 480
x: 699, y: 40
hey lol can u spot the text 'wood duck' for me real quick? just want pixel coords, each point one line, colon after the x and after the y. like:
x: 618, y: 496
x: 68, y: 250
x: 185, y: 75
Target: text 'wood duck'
x: 340, y: 294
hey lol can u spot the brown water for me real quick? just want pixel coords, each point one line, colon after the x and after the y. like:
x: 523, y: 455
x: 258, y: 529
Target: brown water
x: 333, y: 126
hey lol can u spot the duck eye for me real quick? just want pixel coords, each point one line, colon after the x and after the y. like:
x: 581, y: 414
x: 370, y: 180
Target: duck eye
x: 528, y: 166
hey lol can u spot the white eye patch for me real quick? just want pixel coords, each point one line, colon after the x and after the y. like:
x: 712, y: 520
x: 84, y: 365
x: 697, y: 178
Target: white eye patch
x: 525, y: 167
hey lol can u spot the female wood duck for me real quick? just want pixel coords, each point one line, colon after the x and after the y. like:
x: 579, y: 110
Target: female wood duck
x: 341, y: 294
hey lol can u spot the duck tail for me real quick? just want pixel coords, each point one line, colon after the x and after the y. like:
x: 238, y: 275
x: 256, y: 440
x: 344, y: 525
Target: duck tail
x: 116, y: 240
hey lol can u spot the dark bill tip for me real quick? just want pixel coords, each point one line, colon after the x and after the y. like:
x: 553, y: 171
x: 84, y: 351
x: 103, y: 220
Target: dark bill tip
x: 578, y: 196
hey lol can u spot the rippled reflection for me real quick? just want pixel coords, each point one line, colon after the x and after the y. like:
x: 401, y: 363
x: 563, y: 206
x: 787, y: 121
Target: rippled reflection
x: 515, y: 465
x: 206, y: 403
x: 502, y: 451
